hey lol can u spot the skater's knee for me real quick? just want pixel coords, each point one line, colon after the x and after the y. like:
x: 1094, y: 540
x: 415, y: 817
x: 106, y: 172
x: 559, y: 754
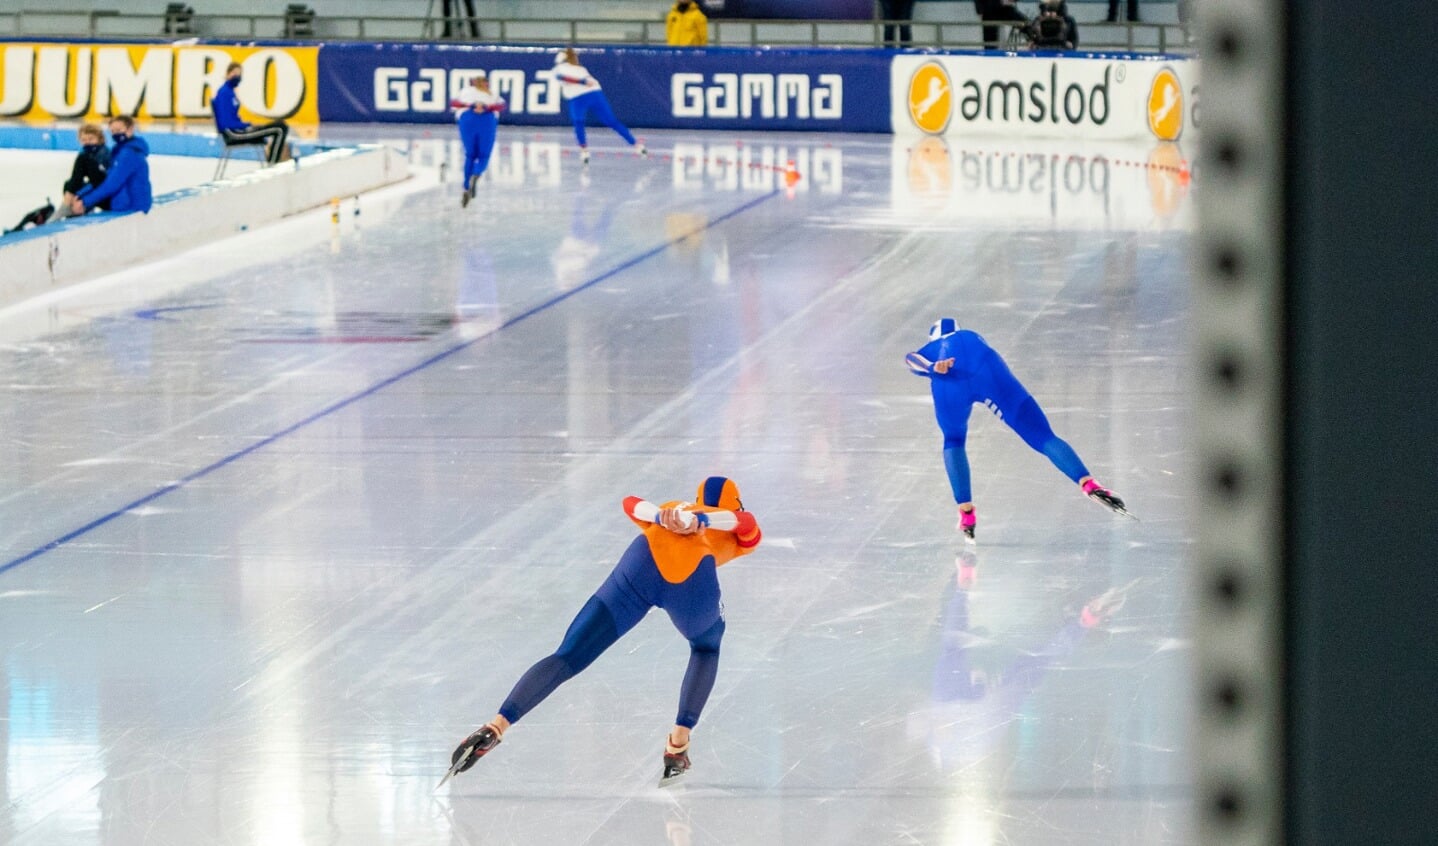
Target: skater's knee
x: 955, y: 440
x: 709, y: 641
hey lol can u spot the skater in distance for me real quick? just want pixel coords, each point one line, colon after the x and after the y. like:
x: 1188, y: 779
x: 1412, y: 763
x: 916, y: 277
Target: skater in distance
x: 672, y: 565
x: 476, y: 110
x: 586, y: 98
x: 962, y: 370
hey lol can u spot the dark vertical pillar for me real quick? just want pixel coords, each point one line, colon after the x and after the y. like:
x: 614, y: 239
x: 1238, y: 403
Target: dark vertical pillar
x: 1361, y: 299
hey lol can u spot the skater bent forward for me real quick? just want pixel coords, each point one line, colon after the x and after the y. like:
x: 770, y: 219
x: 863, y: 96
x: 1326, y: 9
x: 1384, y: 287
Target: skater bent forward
x: 672, y: 565
x: 963, y: 370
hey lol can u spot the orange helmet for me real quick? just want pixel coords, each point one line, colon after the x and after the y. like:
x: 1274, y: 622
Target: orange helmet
x: 719, y: 492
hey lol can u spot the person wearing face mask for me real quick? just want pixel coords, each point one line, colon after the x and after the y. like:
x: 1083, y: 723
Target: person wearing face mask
x: 226, y: 107
x: 127, y: 183
x: 686, y: 25
x: 91, y: 165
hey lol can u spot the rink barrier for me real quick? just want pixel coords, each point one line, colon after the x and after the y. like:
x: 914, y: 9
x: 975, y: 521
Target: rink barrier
x: 63, y: 139
x: 1099, y: 95
x: 48, y: 257
x: 723, y: 88
x: 1046, y: 95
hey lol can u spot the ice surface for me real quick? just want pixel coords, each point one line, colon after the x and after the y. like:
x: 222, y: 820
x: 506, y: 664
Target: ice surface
x: 285, y: 518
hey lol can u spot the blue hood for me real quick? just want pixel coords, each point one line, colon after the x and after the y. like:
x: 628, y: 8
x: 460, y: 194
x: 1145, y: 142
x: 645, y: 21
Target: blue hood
x: 127, y: 185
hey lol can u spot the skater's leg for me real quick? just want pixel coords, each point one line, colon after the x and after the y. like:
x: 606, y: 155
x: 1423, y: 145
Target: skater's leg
x: 484, y: 146
x: 578, y: 112
x: 1028, y: 422
x: 606, y: 116
x: 699, y: 677
x: 614, y: 609
x: 956, y: 463
x: 694, y: 608
x: 593, y: 631
x: 469, y: 137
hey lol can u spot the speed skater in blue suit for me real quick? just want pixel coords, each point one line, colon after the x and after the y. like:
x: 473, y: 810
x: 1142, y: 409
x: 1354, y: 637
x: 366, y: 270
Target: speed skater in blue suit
x: 964, y: 370
x: 476, y: 109
x: 672, y: 565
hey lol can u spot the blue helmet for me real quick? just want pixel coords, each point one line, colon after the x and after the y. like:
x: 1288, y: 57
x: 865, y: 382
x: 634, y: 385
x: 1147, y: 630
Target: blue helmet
x: 943, y: 326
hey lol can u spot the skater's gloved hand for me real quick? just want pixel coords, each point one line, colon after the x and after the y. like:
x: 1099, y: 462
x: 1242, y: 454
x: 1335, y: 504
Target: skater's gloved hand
x: 671, y: 519
x: 942, y: 365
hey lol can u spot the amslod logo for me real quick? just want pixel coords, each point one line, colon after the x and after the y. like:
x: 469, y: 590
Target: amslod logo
x: 931, y: 98
x: 1166, y: 106
x: 933, y: 101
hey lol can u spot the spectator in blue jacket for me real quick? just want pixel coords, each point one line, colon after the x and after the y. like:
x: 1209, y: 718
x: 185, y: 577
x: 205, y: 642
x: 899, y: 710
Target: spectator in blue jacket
x: 226, y: 106
x: 127, y: 184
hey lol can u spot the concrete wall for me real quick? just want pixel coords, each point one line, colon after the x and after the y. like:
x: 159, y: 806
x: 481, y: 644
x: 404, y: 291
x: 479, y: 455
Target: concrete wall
x: 43, y: 259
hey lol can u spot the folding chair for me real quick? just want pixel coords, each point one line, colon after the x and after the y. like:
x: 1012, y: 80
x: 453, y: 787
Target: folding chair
x: 229, y: 145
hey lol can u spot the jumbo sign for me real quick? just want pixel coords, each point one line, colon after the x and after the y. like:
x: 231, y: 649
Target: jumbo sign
x: 48, y: 81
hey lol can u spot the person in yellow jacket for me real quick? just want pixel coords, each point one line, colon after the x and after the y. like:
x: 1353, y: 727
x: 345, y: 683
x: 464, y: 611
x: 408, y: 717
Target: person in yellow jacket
x: 686, y: 25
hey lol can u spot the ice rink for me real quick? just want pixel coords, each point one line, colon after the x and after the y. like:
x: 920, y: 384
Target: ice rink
x: 283, y: 519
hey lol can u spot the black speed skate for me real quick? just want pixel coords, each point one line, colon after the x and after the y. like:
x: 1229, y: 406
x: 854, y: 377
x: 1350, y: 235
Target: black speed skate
x: 470, y: 751
x: 1105, y: 497
x: 675, y: 766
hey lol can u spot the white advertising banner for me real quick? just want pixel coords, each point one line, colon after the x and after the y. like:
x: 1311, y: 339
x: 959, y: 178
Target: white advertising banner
x: 1090, y: 98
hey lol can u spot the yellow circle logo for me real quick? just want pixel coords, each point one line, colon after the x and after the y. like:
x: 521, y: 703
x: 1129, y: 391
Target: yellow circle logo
x: 931, y: 98
x: 1165, y: 106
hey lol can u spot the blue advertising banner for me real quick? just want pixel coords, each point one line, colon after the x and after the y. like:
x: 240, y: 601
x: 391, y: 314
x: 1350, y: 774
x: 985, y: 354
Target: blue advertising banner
x: 654, y: 87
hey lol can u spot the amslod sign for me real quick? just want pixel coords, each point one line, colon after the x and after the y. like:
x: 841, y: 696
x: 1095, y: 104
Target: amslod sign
x: 1044, y: 96
x: 71, y: 81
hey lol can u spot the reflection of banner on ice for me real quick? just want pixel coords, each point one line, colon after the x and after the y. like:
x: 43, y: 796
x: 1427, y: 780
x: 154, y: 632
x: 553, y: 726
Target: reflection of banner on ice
x: 44, y: 81
x: 1070, y: 185
x: 1080, y: 97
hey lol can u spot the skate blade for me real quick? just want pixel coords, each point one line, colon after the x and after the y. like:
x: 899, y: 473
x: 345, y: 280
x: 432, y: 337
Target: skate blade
x: 453, y: 770
x: 672, y: 780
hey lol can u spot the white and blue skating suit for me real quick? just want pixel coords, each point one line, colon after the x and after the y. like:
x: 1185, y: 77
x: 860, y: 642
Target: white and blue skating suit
x: 979, y: 375
x: 586, y: 98
x: 478, y: 115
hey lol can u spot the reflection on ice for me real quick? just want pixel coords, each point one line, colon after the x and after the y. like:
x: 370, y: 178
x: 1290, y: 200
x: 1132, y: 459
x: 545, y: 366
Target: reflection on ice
x: 284, y: 648
x: 1061, y: 185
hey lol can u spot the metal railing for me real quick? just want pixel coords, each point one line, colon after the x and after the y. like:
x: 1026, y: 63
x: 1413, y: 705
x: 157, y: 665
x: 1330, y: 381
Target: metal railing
x: 1133, y: 37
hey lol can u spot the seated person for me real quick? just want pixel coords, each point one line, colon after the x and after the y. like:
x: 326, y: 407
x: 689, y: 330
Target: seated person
x: 127, y: 184
x: 91, y: 164
x: 1054, y: 28
x: 89, y: 169
x: 226, y: 106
